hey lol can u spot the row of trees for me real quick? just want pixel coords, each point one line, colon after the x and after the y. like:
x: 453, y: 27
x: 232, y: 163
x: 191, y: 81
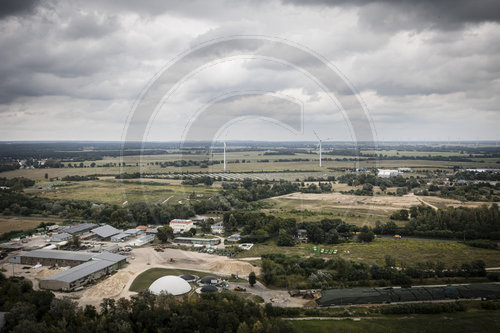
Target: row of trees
x: 294, y: 272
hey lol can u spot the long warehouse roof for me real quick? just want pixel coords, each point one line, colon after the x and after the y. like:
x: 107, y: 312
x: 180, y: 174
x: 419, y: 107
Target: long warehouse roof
x: 79, y: 227
x: 100, y: 261
x: 59, y: 254
x: 81, y: 271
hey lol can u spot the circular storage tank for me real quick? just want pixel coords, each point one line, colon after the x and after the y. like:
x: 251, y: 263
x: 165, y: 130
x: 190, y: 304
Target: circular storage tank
x: 170, y: 284
x: 188, y: 277
x: 209, y: 289
x: 209, y: 280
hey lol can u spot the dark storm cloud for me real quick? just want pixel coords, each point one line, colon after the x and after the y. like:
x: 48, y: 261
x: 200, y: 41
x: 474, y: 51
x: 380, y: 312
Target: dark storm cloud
x: 16, y: 7
x: 415, y: 14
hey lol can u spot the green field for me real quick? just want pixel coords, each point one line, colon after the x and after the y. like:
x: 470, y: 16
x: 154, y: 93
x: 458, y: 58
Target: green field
x: 403, y: 250
x: 116, y: 191
x: 13, y: 223
x: 144, y: 280
x: 479, y: 321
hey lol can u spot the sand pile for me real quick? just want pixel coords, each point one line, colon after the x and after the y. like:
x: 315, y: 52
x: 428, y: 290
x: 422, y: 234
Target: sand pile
x: 112, y: 286
x: 45, y: 272
x: 232, y: 267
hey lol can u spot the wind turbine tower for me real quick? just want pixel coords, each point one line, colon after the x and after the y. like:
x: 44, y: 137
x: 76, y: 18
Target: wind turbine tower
x: 224, y: 156
x: 320, y: 147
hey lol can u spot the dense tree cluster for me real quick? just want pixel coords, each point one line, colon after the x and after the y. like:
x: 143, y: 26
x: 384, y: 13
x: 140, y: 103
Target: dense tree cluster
x: 17, y: 183
x: 134, y: 214
x: 461, y: 223
x: 328, y: 231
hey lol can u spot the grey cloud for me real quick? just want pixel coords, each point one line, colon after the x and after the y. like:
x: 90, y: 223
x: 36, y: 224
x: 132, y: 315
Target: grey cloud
x: 411, y: 14
x: 16, y: 7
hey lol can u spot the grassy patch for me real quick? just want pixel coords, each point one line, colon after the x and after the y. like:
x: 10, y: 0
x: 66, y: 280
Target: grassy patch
x: 116, y: 192
x: 480, y: 321
x: 12, y: 224
x: 406, y: 251
x: 144, y: 280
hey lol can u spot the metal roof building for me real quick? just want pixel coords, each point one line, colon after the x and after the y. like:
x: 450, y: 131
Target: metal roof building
x: 60, y: 237
x: 79, y: 228
x: 100, y: 265
x: 53, y: 257
x: 134, y: 232
x: 120, y: 237
x: 105, y: 231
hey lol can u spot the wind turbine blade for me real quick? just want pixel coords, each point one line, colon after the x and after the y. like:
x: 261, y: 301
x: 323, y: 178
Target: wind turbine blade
x: 316, y: 135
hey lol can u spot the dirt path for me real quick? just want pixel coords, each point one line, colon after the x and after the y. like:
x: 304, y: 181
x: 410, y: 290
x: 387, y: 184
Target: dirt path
x: 426, y: 203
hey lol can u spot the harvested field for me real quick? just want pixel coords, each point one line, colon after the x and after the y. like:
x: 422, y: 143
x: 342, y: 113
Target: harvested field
x: 380, y: 204
x: 13, y: 223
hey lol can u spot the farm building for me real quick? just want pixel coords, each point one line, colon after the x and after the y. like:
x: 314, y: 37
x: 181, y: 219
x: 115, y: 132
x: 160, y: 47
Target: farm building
x: 59, y: 237
x: 99, y: 265
x: 179, y: 225
x: 79, y: 229
x: 121, y: 237
x: 106, y: 231
x: 416, y: 294
x: 387, y: 173
x: 134, y: 232
x: 197, y: 241
x: 217, y: 228
x: 170, y: 284
x: 52, y: 258
x: 142, y: 240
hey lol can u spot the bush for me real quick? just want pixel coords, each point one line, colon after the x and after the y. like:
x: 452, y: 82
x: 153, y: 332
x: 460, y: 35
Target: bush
x: 423, y: 308
x: 493, y: 276
x: 483, y: 243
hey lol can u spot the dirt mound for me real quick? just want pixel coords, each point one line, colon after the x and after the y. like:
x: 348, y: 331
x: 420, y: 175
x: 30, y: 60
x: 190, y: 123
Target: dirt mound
x: 110, y: 287
x: 232, y: 267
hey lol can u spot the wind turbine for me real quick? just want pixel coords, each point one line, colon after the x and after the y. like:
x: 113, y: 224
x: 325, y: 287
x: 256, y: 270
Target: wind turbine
x: 320, y: 142
x: 224, y: 155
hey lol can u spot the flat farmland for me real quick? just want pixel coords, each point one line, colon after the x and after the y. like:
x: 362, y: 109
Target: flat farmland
x: 14, y: 223
x: 117, y: 192
x: 249, y: 161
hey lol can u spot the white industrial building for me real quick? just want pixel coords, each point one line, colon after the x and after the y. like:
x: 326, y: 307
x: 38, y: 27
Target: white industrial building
x: 179, y: 225
x: 170, y: 284
x: 387, y: 173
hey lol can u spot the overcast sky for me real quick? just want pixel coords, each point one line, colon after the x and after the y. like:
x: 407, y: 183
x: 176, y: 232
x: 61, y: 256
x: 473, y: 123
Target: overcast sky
x: 425, y: 70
